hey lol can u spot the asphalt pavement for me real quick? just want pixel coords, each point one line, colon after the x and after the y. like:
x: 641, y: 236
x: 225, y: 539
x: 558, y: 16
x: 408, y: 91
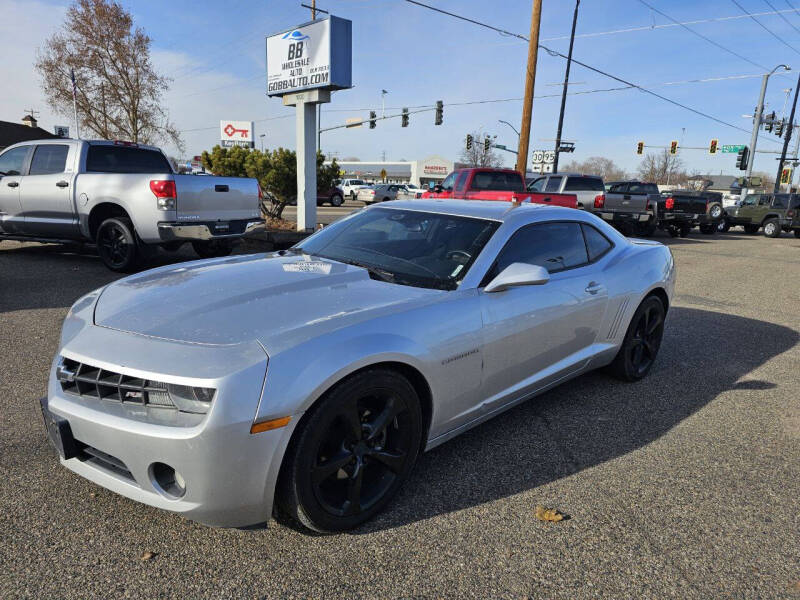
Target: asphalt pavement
x: 684, y: 485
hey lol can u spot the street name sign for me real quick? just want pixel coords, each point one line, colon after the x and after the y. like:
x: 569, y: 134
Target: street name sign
x: 731, y: 148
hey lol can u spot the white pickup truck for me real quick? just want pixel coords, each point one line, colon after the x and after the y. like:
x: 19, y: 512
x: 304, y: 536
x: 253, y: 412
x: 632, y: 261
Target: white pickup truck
x: 122, y: 196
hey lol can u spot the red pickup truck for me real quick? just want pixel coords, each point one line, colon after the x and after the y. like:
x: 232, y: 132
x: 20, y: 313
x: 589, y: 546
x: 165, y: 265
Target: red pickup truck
x: 483, y: 183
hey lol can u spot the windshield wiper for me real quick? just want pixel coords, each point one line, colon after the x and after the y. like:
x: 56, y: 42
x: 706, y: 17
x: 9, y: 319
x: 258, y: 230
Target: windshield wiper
x: 387, y: 276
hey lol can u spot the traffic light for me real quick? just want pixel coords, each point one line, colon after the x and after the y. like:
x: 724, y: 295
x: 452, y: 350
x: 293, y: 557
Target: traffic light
x: 640, y: 148
x: 487, y: 143
x: 786, y: 175
x: 469, y: 142
x: 372, y: 117
x: 712, y: 148
x: 404, y: 122
x: 673, y: 147
x: 779, y: 127
x: 741, y: 158
x: 769, y: 121
x: 439, y: 107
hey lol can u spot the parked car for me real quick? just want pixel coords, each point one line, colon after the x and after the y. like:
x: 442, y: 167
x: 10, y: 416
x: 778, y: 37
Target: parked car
x: 311, y: 379
x: 774, y: 212
x: 332, y: 196
x: 122, y: 196
x: 589, y: 189
x: 484, y: 183
x: 409, y: 191
x: 350, y: 187
x: 379, y: 193
x: 681, y: 210
x: 631, y: 206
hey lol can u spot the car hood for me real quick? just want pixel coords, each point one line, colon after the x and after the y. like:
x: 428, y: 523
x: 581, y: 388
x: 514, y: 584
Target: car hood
x: 263, y: 297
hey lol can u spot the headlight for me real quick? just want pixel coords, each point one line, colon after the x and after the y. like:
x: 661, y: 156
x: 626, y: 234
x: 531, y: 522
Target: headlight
x: 190, y: 399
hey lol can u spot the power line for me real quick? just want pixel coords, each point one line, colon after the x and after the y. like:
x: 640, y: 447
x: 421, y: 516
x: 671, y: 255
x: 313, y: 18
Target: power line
x: 552, y: 52
x: 788, y: 22
x: 765, y: 28
x: 703, y: 37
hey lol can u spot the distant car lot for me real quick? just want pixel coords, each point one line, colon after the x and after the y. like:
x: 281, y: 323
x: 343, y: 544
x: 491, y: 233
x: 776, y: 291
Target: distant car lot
x: 684, y: 485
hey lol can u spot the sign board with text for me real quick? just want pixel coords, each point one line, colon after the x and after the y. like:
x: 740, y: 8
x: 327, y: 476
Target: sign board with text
x: 731, y: 148
x: 61, y: 131
x: 542, y: 161
x: 236, y: 133
x: 314, y: 55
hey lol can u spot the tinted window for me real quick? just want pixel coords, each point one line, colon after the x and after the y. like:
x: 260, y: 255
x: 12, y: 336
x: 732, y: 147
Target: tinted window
x: 643, y: 188
x: 618, y: 188
x: 49, y: 158
x: 596, y: 243
x: 554, y: 246
x: 496, y: 181
x: 780, y: 201
x: 124, y: 159
x: 537, y: 184
x: 553, y: 184
x: 447, y: 184
x: 763, y: 200
x: 581, y: 184
x: 461, y: 181
x: 11, y: 161
x: 356, y: 182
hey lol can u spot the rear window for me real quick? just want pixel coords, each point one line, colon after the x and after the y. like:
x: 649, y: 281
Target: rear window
x: 584, y: 184
x: 496, y: 181
x: 643, y: 188
x: 48, y: 159
x: 124, y: 159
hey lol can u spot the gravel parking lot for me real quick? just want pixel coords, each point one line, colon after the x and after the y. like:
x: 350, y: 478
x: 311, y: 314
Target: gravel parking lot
x: 684, y: 485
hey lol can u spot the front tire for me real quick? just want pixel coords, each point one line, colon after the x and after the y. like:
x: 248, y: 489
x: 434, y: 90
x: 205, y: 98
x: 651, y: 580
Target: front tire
x: 116, y: 244
x: 212, y: 248
x: 724, y: 226
x: 642, y: 342
x: 352, y: 452
x: 336, y: 200
x: 772, y: 228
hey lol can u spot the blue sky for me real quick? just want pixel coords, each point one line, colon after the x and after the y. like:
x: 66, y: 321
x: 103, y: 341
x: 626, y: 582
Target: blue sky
x: 215, y: 53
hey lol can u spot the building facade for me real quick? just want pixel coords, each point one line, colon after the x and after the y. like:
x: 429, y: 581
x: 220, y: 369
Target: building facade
x: 419, y: 172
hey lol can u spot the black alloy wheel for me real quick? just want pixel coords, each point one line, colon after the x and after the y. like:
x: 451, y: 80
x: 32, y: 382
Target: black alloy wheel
x: 642, y: 341
x: 352, y: 453
x: 724, y: 225
x: 116, y: 244
x: 336, y: 200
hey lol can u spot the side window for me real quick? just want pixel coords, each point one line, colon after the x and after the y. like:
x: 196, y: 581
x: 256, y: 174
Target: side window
x: 554, y: 246
x: 596, y: 243
x: 750, y: 200
x: 48, y: 159
x: 461, y: 181
x: 447, y: 184
x: 12, y: 160
x: 537, y: 185
x: 763, y: 200
x: 581, y: 184
x: 553, y: 184
x: 780, y: 201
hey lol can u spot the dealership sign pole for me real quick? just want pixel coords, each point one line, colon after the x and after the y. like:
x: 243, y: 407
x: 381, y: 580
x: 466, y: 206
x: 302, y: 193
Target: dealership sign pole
x: 304, y: 64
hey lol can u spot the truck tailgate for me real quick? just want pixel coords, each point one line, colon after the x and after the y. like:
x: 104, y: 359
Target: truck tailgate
x: 203, y: 198
x: 687, y: 204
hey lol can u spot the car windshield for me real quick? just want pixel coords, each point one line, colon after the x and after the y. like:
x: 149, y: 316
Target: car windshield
x: 406, y: 247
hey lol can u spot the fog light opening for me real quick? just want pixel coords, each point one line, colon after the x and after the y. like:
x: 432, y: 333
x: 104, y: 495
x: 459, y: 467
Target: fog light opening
x: 167, y: 480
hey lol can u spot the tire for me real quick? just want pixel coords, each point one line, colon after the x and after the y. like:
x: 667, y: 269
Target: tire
x: 772, y: 228
x: 212, y: 248
x: 751, y: 229
x: 673, y: 231
x: 797, y: 233
x: 646, y: 230
x: 638, y: 352
x: 386, y: 199
x: 117, y: 244
x: 684, y: 230
x: 353, y: 196
x: 708, y: 228
x: 715, y: 211
x: 337, y: 200
x: 724, y: 226
x: 339, y: 493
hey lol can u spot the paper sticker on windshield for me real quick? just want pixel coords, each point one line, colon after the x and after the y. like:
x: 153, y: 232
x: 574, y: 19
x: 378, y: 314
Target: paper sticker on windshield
x: 308, y: 266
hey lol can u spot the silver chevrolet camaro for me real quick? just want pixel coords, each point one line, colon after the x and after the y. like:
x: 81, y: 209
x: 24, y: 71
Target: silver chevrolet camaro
x: 309, y: 380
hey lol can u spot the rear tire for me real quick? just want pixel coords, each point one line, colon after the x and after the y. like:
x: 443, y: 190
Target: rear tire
x: 351, y: 453
x: 708, y: 228
x: 212, y: 248
x: 797, y: 233
x: 724, y: 226
x: 772, y: 228
x: 117, y: 244
x: 647, y: 229
x: 684, y: 230
x: 642, y: 341
x: 751, y: 229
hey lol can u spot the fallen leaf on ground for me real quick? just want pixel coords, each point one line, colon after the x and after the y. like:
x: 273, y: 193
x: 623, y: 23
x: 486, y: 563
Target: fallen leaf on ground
x: 147, y: 556
x: 795, y: 587
x: 548, y: 514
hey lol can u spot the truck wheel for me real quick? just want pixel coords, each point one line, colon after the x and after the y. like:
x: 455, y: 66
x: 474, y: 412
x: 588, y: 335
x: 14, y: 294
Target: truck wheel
x: 715, y: 211
x: 772, y: 228
x: 797, y: 233
x: 337, y: 200
x: 708, y: 228
x: 724, y: 226
x: 751, y: 229
x: 646, y: 230
x: 212, y: 248
x: 672, y: 230
x: 684, y: 230
x: 116, y: 244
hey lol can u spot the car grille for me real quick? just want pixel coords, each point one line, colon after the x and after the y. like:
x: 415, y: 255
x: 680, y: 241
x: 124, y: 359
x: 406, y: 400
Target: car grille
x: 87, y: 381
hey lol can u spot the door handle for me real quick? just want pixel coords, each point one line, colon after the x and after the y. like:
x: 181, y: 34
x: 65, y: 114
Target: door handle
x: 13, y: 184
x: 62, y: 184
x: 593, y: 287
x: 548, y: 199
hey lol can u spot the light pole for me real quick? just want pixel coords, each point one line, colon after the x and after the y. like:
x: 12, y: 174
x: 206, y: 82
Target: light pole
x: 757, y: 125
x: 566, y: 83
x: 787, y: 137
x: 510, y: 125
x: 262, y: 141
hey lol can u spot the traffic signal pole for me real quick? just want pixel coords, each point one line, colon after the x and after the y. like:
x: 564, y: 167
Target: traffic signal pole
x: 786, y: 138
x: 566, y: 83
x: 530, y: 79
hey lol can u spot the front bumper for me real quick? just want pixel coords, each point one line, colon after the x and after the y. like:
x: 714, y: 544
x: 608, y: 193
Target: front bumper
x: 229, y: 473
x: 212, y: 230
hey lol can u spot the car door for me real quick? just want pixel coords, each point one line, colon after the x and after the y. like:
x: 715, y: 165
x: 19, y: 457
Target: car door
x: 12, y: 165
x: 763, y: 207
x: 537, y: 185
x: 537, y: 335
x: 46, y: 193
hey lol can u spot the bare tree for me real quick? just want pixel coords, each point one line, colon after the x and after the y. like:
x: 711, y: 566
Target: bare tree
x: 118, y: 90
x: 477, y: 155
x: 662, y: 168
x: 598, y: 165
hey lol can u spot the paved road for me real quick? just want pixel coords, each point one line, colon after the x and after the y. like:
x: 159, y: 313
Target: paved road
x: 685, y: 485
x: 326, y: 214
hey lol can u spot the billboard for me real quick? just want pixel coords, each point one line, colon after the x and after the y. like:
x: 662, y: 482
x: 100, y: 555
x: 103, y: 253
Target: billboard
x: 236, y: 133
x: 315, y: 55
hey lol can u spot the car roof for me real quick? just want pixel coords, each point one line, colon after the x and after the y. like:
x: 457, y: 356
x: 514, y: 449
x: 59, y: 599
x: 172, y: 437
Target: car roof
x: 495, y: 210
x: 568, y: 174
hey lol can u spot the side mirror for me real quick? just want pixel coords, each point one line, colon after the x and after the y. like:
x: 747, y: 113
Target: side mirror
x: 517, y: 274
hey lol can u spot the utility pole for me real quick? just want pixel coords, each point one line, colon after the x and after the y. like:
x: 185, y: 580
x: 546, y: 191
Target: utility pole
x: 530, y: 80
x: 566, y: 83
x: 757, y: 125
x: 787, y: 137
x: 313, y: 10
